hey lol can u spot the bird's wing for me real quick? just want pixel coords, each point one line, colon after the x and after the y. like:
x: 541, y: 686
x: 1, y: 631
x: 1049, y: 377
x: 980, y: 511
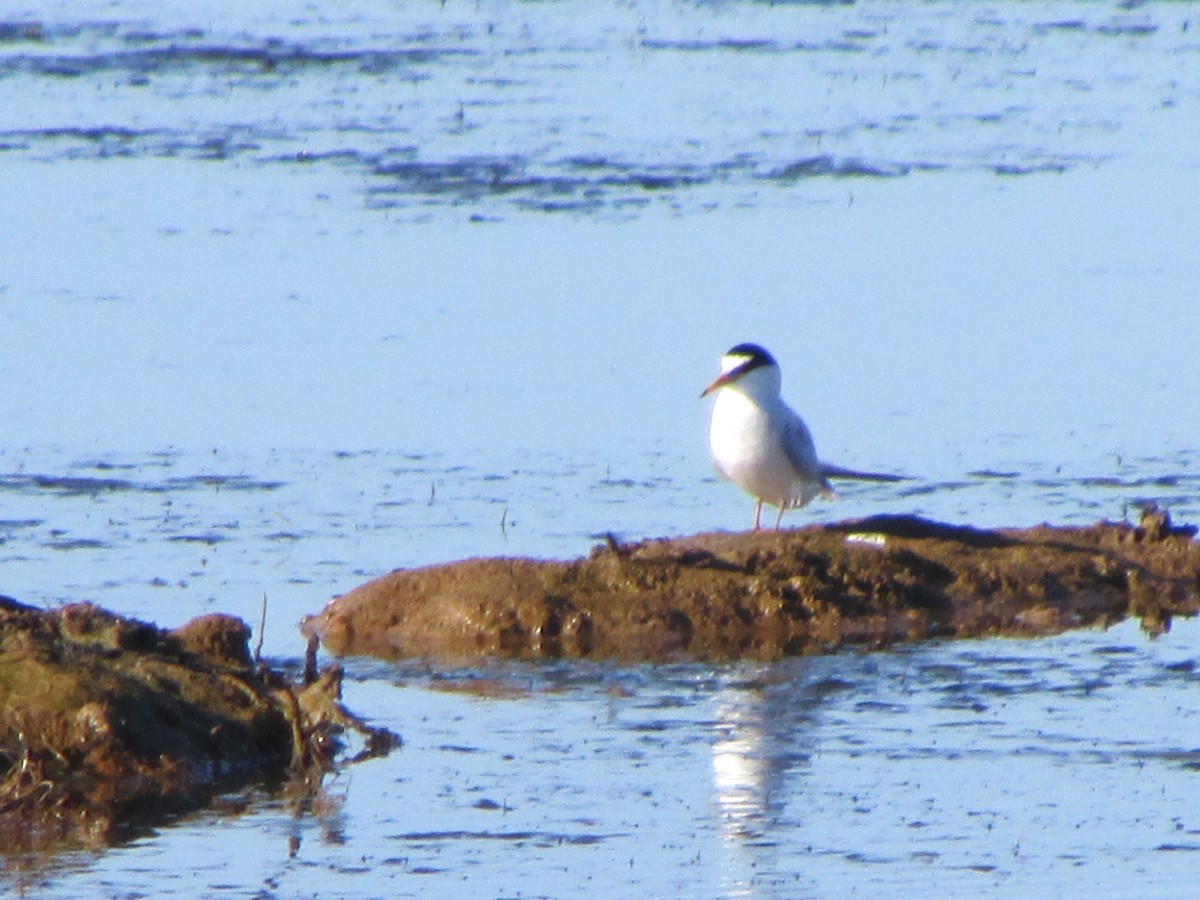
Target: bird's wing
x: 828, y: 470
x: 802, y: 453
x: 798, y: 445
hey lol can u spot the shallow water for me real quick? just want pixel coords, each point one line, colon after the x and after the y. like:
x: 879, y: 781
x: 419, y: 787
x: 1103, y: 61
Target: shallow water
x: 995, y: 767
x: 292, y: 297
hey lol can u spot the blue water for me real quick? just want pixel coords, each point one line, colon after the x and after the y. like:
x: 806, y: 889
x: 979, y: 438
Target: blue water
x: 290, y: 297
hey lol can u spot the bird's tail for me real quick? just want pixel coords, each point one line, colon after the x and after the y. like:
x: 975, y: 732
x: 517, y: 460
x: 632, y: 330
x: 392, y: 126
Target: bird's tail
x: 831, y: 471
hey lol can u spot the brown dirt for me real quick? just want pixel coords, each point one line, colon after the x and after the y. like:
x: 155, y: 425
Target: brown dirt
x: 106, y: 721
x: 871, y: 582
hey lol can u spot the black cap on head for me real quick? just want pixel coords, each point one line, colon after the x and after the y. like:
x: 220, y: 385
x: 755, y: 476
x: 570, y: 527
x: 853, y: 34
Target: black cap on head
x: 748, y: 357
x: 756, y: 355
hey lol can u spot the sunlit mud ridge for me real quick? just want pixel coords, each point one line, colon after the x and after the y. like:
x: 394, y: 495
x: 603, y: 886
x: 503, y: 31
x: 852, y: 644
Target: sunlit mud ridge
x: 110, y: 722
x: 870, y: 583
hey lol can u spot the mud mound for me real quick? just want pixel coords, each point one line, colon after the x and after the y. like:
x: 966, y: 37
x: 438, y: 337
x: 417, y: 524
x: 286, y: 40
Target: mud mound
x: 869, y: 582
x: 107, y: 720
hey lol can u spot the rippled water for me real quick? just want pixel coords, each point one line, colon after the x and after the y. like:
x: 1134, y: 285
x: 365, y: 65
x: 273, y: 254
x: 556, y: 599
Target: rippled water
x: 996, y: 767
x: 292, y: 296
x: 587, y: 107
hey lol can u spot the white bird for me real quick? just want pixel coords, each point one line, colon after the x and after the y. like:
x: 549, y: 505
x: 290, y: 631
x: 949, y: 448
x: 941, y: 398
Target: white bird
x: 759, y: 443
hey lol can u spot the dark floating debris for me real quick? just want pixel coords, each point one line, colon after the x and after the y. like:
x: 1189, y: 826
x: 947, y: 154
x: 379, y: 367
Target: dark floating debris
x: 872, y: 583
x: 110, y: 724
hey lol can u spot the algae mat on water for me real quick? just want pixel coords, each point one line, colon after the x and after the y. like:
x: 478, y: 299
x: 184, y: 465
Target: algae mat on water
x: 871, y: 582
x: 106, y: 720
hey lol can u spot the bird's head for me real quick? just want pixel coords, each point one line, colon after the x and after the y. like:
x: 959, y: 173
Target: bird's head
x: 738, y: 366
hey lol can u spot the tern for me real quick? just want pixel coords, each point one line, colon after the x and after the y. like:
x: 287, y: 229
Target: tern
x: 759, y: 442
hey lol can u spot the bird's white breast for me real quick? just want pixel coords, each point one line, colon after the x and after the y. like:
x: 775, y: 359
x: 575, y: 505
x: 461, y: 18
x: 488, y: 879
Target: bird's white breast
x: 747, y: 446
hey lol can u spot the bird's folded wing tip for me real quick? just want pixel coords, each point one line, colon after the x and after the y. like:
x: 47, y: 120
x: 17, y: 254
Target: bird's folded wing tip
x: 830, y: 471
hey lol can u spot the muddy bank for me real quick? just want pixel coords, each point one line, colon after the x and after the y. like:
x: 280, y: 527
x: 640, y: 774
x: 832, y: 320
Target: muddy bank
x: 109, y: 721
x: 871, y: 582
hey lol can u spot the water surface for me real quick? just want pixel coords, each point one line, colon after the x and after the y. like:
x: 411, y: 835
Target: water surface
x: 293, y: 296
